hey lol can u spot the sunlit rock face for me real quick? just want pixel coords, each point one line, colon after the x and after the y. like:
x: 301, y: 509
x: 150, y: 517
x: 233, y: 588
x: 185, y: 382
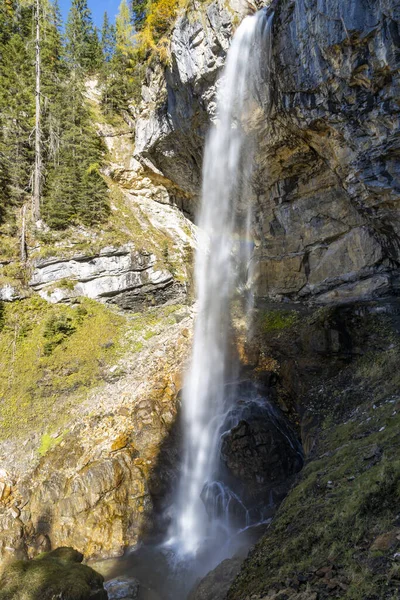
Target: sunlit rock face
x: 327, y: 183
x: 179, y: 101
x: 99, y: 488
x: 123, y: 276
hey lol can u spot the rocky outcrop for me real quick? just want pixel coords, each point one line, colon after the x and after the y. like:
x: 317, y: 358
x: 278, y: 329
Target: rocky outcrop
x: 262, y: 450
x: 124, y: 276
x: 122, y: 588
x: 326, y: 182
x: 328, y: 172
x: 336, y: 374
x: 94, y: 487
x: 216, y: 584
x: 179, y: 101
x: 57, y: 574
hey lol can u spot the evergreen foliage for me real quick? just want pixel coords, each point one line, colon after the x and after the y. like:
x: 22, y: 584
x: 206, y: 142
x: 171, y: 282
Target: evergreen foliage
x: 108, y: 40
x: 72, y: 153
x: 72, y: 188
x: 124, y: 71
x: 82, y: 42
x: 75, y: 190
x: 139, y: 11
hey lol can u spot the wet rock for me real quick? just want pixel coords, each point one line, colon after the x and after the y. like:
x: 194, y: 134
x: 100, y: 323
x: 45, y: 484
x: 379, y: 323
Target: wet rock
x: 217, y: 583
x: 122, y: 588
x: 259, y: 450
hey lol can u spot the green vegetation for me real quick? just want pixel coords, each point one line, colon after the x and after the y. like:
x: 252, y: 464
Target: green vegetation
x: 72, y: 189
x: 49, y: 441
x: 346, y: 496
x: 275, y: 320
x: 52, y: 355
x: 48, y: 352
x: 50, y: 575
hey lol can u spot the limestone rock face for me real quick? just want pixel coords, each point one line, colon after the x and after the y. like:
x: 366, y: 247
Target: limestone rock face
x: 179, y: 101
x: 124, y: 276
x: 98, y: 489
x: 327, y: 173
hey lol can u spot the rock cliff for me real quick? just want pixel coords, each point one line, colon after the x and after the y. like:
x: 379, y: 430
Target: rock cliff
x: 326, y: 181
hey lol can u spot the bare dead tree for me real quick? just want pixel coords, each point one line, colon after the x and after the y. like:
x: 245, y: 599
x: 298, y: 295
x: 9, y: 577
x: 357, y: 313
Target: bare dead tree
x: 38, y: 149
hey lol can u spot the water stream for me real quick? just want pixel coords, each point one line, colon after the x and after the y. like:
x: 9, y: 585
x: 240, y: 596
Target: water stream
x: 210, y: 516
x: 200, y: 513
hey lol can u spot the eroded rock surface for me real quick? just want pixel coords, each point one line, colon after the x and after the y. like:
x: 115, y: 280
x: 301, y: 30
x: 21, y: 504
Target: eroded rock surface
x: 123, y: 276
x: 179, y: 102
x: 98, y: 489
x: 327, y: 178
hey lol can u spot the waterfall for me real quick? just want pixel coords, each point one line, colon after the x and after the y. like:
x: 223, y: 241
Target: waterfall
x: 222, y: 255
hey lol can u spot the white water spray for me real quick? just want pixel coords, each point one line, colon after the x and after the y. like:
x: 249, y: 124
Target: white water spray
x: 226, y: 175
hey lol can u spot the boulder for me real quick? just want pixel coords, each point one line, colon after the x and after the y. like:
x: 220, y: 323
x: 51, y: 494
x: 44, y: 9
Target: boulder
x: 53, y: 575
x: 122, y: 588
x: 215, y: 585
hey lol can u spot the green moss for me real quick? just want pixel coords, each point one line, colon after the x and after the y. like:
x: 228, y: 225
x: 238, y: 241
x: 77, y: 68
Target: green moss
x: 342, y: 502
x: 276, y: 320
x: 50, y: 441
x: 57, y: 574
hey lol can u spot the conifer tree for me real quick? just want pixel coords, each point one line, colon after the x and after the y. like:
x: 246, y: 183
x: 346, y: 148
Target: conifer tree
x: 37, y: 175
x: 76, y: 192
x: 17, y: 101
x: 108, y: 40
x: 125, y: 33
x: 82, y: 42
x: 139, y: 10
x: 124, y: 84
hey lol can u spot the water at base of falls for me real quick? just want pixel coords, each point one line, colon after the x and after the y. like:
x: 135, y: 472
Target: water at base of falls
x: 206, y: 512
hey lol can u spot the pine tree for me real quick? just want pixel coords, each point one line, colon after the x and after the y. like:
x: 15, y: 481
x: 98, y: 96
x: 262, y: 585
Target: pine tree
x: 17, y: 101
x: 125, y: 33
x: 76, y: 192
x: 108, y: 39
x: 124, y: 83
x: 5, y: 196
x: 82, y: 43
x: 139, y: 11
x: 38, y: 169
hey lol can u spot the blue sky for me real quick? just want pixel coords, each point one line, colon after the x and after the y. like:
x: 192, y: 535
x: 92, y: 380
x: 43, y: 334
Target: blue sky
x: 97, y: 7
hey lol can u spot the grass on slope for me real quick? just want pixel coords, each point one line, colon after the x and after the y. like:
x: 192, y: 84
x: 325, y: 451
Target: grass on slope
x: 52, y: 355
x: 47, y: 351
x: 344, y: 500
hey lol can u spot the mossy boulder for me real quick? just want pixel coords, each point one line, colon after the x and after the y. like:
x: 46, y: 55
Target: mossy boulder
x: 57, y: 574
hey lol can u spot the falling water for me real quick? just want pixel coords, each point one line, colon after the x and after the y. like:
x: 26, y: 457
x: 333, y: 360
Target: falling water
x: 226, y: 175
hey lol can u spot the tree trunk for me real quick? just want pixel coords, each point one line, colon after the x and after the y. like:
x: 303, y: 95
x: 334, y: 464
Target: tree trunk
x: 23, y: 235
x: 38, y: 149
